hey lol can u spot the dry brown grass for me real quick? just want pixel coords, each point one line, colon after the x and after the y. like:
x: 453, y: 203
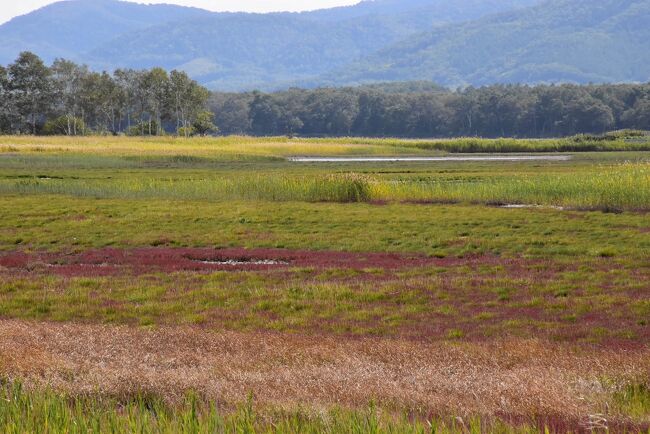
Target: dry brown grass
x: 513, y: 378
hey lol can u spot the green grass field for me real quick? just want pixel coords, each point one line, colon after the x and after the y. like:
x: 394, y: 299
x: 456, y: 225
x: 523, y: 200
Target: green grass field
x: 547, y: 259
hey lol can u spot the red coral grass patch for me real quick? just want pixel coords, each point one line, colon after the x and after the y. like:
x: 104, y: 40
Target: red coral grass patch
x: 110, y: 261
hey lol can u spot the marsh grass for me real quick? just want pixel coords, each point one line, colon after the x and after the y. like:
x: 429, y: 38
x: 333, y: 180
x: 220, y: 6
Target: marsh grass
x: 256, y: 199
x: 72, y: 161
x: 46, y: 411
x: 612, y: 188
x: 225, y: 148
x: 608, y: 188
x: 319, y: 188
x: 633, y: 399
x: 283, y: 146
x: 617, y: 141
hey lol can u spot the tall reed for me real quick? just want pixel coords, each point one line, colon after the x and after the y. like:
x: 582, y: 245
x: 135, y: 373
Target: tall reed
x: 618, y: 187
x: 23, y: 411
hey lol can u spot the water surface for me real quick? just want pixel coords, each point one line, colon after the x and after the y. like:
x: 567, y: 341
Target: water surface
x: 417, y: 159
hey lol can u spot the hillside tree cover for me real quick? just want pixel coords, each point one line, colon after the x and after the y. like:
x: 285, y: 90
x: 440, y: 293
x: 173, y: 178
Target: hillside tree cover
x: 453, y: 43
x: 556, y: 41
x: 70, y: 99
x: 230, y: 51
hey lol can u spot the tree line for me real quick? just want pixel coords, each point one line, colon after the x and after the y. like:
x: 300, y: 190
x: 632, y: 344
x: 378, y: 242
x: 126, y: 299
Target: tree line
x: 412, y: 110
x: 69, y: 99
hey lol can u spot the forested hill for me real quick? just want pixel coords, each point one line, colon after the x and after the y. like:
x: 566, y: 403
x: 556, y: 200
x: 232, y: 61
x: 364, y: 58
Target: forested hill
x: 240, y: 51
x: 453, y: 43
x: 229, y: 51
x: 71, y: 28
x: 420, y: 12
x: 558, y: 41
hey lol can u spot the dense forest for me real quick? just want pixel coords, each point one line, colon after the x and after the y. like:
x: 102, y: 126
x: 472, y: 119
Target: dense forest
x: 418, y: 111
x: 69, y: 99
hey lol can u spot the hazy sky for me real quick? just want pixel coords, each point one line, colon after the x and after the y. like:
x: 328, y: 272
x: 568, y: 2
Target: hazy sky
x: 12, y: 8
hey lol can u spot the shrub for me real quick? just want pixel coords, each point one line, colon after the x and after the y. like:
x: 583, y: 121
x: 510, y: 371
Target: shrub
x: 203, y: 124
x: 185, y: 131
x: 145, y: 129
x: 65, y: 126
x: 349, y: 187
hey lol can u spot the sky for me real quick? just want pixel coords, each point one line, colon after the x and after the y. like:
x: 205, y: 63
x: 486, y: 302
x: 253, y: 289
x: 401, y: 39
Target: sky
x: 13, y: 8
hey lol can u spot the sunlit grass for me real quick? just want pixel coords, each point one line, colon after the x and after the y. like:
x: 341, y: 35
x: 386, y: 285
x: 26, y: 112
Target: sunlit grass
x: 503, y: 145
x: 615, y: 187
x: 544, y: 272
x: 233, y: 146
x: 633, y: 399
x: 619, y: 187
x: 23, y: 411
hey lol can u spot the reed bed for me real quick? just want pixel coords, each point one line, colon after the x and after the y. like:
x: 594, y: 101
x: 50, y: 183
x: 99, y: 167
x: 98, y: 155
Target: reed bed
x: 285, y: 146
x: 46, y: 411
x: 470, y: 145
x: 327, y: 188
x: 233, y: 147
x: 620, y: 187
x: 610, y: 188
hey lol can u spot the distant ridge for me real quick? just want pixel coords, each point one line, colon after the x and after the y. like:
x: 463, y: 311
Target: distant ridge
x: 558, y: 41
x: 71, y: 28
x: 459, y: 43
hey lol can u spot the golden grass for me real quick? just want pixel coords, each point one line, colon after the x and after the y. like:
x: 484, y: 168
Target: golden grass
x: 284, y: 146
x: 203, y: 147
x: 516, y: 377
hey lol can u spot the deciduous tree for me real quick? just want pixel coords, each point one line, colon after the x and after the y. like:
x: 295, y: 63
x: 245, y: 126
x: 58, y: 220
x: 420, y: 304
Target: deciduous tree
x: 31, y: 89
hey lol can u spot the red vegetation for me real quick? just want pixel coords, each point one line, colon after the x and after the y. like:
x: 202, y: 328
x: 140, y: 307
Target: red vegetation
x: 110, y: 261
x: 514, y: 379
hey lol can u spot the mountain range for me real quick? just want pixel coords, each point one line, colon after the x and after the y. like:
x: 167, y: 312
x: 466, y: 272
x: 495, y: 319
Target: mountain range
x: 454, y: 43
